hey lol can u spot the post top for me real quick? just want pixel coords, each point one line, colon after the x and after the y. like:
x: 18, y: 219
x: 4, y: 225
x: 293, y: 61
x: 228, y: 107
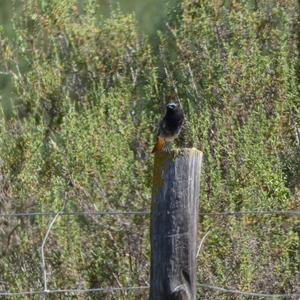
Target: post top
x: 187, y: 151
x: 163, y: 160
x: 180, y: 151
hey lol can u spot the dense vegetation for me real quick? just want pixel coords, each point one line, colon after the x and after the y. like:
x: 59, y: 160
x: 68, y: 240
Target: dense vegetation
x: 76, y: 131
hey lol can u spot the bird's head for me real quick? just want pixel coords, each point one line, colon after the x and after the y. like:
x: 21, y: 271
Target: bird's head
x: 171, y: 107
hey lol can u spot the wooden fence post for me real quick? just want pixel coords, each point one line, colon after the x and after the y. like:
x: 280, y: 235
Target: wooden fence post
x: 174, y: 216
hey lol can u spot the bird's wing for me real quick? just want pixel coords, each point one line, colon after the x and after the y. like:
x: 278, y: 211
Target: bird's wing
x: 161, y: 127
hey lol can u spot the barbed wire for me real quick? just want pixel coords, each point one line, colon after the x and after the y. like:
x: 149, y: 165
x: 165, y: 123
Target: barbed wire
x: 145, y: 213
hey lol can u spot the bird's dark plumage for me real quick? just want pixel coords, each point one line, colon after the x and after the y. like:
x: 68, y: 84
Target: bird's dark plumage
x: 169, y: 127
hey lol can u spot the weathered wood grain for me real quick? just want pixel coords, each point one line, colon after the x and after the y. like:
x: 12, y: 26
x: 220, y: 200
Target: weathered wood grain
x: 174, y: 216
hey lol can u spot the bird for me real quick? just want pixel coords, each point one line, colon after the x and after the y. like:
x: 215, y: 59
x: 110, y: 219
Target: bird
x: 169, y: 128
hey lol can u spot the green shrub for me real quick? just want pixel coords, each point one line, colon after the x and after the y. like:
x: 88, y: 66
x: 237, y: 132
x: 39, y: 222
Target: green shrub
x: 76, y: 135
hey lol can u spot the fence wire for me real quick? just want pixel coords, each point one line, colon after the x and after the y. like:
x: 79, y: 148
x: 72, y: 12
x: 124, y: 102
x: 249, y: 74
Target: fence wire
x: 135, y: 288
x: 253, y: 294
x: 290, y: 213
x: 74, y: 291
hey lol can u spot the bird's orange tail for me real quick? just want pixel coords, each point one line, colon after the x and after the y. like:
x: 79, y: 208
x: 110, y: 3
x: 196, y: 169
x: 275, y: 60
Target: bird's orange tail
x: 160, y: 144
